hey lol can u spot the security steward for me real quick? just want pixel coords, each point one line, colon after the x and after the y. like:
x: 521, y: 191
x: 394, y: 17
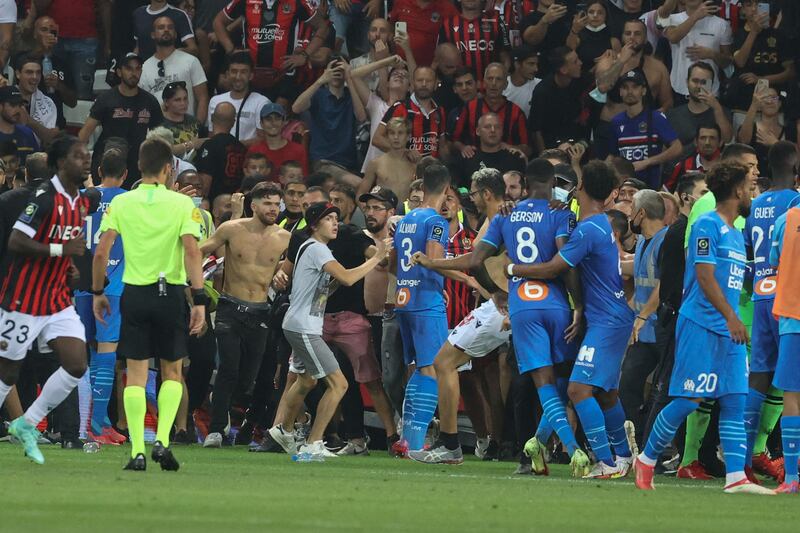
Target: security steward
x: 159, y: 230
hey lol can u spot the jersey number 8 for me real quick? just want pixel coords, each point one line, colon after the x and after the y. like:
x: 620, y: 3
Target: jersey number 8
x: 527, y: 252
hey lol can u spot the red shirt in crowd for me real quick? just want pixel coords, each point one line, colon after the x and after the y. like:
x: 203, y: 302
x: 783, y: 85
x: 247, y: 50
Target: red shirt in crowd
x: 290, y: 152
x: 424, y: 20
x: 687, y: 166
x: 460, y: 300
x: 479, y: 40
x: 515, y: 130
x: 76, y: 19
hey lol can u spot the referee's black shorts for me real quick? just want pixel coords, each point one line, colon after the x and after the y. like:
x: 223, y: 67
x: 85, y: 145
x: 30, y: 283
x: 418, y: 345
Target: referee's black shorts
x: 153, y: 325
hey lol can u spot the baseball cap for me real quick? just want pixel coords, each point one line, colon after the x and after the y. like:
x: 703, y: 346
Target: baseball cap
x: 565, y: 173
x: 635, y: 76
x: 10, y: 93
x: 523, y: 52
x: 272, y: 108
x: 125, y: 58
x: 382, y: 194
x: 319, y: 210
x: 635, y: 183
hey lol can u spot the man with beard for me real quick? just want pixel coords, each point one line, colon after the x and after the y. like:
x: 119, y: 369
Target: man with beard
x: 125, y: 111
x: 253, y: 247
x: 248, y: 104
x: 516, y: 185
x: 707, y: 143
x: 12, y: 128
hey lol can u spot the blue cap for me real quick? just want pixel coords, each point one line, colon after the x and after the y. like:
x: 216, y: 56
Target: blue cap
x: 271, y: 108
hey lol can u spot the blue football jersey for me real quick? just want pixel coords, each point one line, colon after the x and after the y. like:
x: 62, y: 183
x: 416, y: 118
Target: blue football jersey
x: 758, y: 230
x: 713, y: 242
x: 592, y: 246
x: 419, y: 288
x: 91, y: 228
x: 529, y: 234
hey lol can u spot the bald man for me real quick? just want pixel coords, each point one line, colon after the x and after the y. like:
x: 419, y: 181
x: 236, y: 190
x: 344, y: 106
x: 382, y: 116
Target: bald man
x: 220, y: 158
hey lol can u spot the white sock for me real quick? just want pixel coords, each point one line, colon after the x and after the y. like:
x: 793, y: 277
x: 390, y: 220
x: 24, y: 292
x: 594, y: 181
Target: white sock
x: 4, y: 390
x: 646, y: 460
x: 733, y: 477
x: 55, y: 390
x: 84, y: 403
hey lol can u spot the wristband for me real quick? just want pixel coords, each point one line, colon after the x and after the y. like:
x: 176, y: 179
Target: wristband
x: 639, y: 317
x: 199, y: 297
x: 56, y: 250
x: 510, y: 270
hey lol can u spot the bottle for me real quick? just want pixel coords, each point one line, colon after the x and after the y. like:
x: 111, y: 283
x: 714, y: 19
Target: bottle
x: 162, y: 284
x: 305, y: 457
x: 91, y: 447
x: 47, y: 69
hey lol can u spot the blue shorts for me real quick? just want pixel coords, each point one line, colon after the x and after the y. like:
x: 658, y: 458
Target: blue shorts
x: 763, y: 338
x: 423, y: 336
x: 539, y: 338
x: 599, y: 359
x: 707, y: 364
x: 787, y: 371
x: 108, y: 332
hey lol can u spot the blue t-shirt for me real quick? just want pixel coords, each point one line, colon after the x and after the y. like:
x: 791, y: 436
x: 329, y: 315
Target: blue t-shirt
x: 91, y: 228
x: 593, y: 246
x: 713, y: 242
x: 333, y: 128
x: 758, y: 230
x: 631, y: 141
x: 25, y: 140
x: 530, y: 234
x: 419, y: 288
x: 786, y: 325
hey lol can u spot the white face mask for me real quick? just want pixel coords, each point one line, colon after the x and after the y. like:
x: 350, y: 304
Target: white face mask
x: 601, y: 27
x: 560, y: 194
x: 197, y: 200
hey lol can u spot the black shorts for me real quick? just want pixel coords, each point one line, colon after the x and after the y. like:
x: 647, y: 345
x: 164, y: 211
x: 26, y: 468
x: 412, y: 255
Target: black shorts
x: 153, y: 325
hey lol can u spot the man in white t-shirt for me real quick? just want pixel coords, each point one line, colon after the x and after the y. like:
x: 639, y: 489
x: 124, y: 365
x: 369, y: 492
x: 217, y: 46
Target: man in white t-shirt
x: 247, y: 104
x: 523, y: 80
x: 697, y: 34
x: 42, y: 111
x: 169, y: 65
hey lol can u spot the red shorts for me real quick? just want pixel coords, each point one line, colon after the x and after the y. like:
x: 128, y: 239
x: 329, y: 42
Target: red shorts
x: 352, y: 333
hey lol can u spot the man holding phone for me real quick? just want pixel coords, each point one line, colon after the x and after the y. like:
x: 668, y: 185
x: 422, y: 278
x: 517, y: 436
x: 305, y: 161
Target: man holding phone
x: 421, y: 20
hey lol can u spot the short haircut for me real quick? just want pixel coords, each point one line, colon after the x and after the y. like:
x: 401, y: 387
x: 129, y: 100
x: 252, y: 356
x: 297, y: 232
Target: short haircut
x: 463, y: 71
x: 317, y: 188
x: 257, y: 155
x: 7, y: 148
x: 623, y: 167
x: 735, y: 150
x: 555, y: 153
x: 540, y: 170
x: 618, y: 221
x: 558, y: 57
x: 398, y: 121
x: 264, y: 189
x: 495, y: 65
x: 489, y: 179
x: 36, y: 166
x: 295, y: 181
x: 154, y: 155
x: 22, y: 59
x: 113, y: 164
x: 523, y: 181
x: 249, y: 182
x: 688, y: 182
x: 724, y: 178
x: 782, y: 157
x: 317, y: 178
x: 599, y: 180
x: 345, y: 189
x: 669, y: 198
x: 702, y: 65
x: 180, y: 179
x: 488, y: 115
x: 634, y: 21
x: 424, y: 163
x: 119, y: 143
x: 240, y: 58
x: 160, y: 132
x: 714, y: 127
x: 286, y: 165
x: 651, y: 202
x: 415, y: 185
x: 60, y: 147
x: 436, y: 179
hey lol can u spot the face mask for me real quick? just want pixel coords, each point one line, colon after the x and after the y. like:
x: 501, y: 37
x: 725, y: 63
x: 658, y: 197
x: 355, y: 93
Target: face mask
x: 598, y: 96
x: 197, y: 200
x: 635, y: 228
x: 562, y: 195
x: 601, y: 27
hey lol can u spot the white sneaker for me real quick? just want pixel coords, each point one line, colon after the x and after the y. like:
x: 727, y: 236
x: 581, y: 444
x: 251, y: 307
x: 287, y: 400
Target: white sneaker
x: 600, y: 470
x: 630, y: 433
x: 480, y: 447
x: 353, y: 448
x: 284, y: 438
x: 213, y: 440
x: 316, y: 449
x: 744, y: 486
x: 624, y: 465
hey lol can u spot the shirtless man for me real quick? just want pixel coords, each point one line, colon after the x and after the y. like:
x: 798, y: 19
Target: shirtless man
x: 253, y: 247
x: 632, y: 56
x: 395, y: 169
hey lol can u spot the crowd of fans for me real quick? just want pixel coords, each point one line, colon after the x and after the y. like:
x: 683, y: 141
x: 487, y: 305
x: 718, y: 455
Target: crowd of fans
x: 347, y: 100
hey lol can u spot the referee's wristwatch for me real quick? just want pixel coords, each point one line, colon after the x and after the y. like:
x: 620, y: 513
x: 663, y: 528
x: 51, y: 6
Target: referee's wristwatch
x: 199, y: 297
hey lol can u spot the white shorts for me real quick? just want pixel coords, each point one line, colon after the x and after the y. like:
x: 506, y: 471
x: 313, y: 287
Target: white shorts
x: 18, y: 331
x: 481, y: 332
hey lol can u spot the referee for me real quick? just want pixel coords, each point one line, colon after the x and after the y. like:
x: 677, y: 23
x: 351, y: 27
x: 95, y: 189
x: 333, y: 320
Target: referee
x: 159, y: 230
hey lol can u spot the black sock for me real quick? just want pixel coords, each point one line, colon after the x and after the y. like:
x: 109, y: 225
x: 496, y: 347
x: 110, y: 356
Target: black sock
x: 450, y: 440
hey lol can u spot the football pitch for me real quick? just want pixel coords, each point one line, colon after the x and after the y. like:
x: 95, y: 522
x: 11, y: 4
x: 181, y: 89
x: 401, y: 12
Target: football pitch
x: 233, y: 490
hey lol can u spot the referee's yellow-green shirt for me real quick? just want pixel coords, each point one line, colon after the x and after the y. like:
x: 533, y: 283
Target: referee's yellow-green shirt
x: 151, y: 220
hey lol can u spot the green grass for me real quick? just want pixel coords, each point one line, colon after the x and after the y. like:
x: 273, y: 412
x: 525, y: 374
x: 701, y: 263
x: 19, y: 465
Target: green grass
x: 233, y: 490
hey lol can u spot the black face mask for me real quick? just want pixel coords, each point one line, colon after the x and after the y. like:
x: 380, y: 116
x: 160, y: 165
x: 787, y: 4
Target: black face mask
x: 635, y: 228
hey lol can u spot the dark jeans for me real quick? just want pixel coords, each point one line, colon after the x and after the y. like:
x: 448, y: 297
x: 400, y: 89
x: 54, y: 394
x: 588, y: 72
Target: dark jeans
x: 241, y: 337
x: 202, y: 351
x: 267, y: 391
x: 642, y: 358
x: 665, y: 339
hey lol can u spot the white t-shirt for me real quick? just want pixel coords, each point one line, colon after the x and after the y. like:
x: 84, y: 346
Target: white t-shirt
x: 179, y: 66
x: 711, y: 32
x: 43, y: 110
x: 521, y: 95
x: 310, y: 287
x: 376, y: 108
x: 8, y: 12
x: 250, y: 116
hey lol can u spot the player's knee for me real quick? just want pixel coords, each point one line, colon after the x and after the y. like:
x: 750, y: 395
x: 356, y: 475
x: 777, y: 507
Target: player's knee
x: 75, y: 369
x: 578, y: 392
x: 337, y: 383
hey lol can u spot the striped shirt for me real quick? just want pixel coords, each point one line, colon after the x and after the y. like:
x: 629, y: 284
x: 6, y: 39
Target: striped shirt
x: 460, y: 301
x: 479, y: 41
x: 426, y: 128
x: 515, y: 129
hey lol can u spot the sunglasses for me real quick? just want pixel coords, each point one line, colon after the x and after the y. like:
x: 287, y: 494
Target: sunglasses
x: 161, y: 71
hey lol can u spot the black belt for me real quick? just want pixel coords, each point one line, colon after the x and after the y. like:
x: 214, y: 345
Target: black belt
x: 242, y: 306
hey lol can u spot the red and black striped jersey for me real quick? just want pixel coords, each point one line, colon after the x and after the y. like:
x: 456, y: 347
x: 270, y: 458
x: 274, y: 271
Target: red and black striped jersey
x: 515, y: 129
x: 460, y: 301
x: 513, y: 11
x: 308, y: 73
x: 479, y: 40
x: 36, y: 285
x: 269, y: 28
x: 693, y: 163
x: 426, y: 128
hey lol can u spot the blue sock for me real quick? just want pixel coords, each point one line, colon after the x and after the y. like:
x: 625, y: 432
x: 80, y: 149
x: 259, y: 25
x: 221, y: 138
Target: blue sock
x: 544, y: 430
x: 408, y: 405
x: 752, y: 420
x: 102, y: 364
x: 731, y: 432
x: 790, y: 436
x: 594, y: 428
x: 665, y: 426
x: 615, y: 428
x: 555, y: 418
x: 426, y: 397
